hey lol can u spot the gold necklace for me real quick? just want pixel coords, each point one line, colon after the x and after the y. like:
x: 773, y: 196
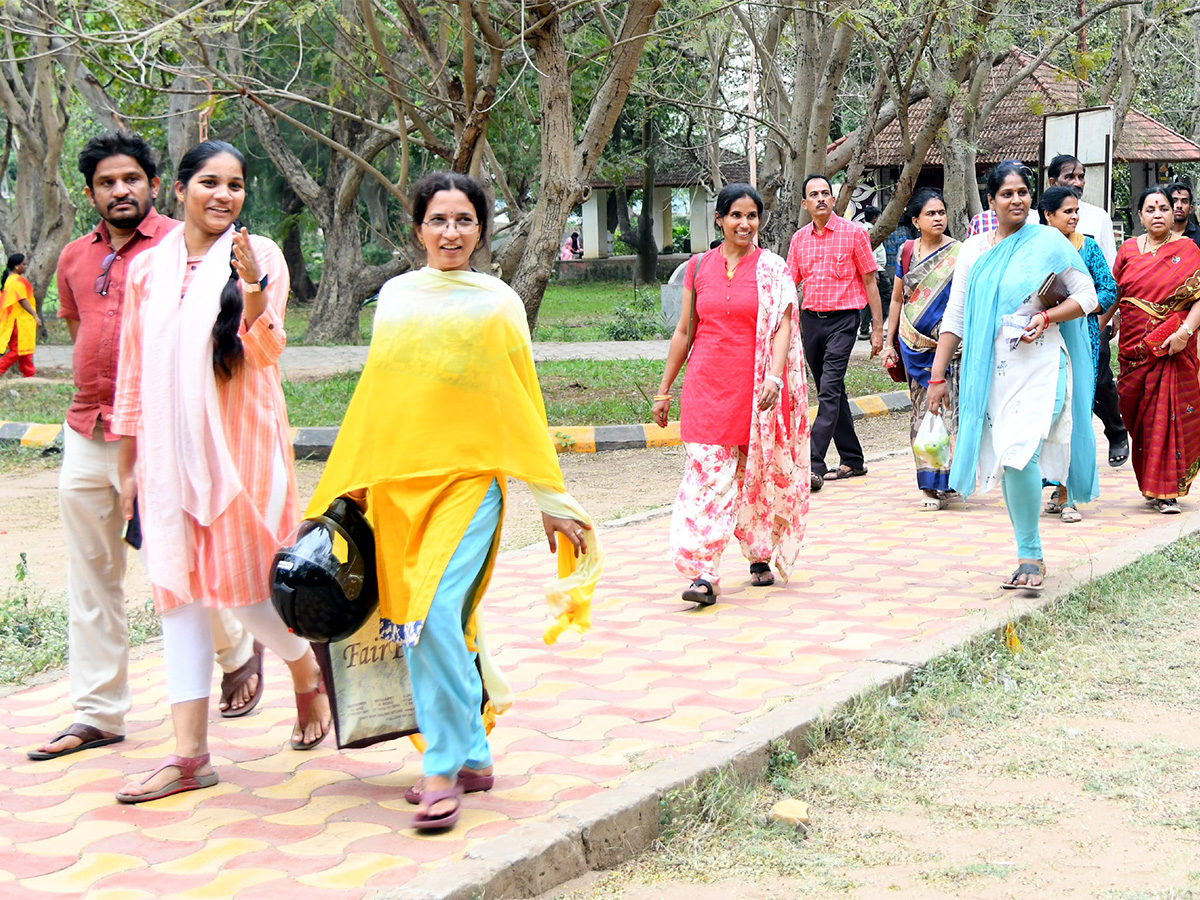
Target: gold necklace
x: 1154, y: 252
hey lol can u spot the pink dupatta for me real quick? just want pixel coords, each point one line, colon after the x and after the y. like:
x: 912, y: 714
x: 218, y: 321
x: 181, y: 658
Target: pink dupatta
x: 775, y: 491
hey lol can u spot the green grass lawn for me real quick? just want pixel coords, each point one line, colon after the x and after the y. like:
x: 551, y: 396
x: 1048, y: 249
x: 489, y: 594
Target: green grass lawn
x: 578, y: 312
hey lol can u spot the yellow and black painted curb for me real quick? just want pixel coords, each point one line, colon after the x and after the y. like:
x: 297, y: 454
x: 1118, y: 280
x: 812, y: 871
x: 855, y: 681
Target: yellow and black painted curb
x: 315, y: 443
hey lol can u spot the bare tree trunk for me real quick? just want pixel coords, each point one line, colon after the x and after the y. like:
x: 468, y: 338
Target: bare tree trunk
x: 35, y: 91
x: 568, y: 164
x: 303, y: 288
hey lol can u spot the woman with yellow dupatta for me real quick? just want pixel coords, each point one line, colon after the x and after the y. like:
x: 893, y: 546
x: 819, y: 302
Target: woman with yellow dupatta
x: 447, y: 409
x: 924, y: 273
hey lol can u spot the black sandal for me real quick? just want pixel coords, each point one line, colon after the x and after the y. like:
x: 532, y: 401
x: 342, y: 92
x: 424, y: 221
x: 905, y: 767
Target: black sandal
x: 701, y: 593
x: 761, y: 574
x: 1118, y: 453
x: 1026, y: 569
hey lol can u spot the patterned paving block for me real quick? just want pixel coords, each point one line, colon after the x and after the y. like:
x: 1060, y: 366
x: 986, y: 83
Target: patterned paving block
x: 653, y: 678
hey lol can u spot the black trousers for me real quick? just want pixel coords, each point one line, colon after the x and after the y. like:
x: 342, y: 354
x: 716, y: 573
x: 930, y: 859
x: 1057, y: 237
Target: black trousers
x: 885, y: 302
x: 1106, y: 407
x: 828, y: 339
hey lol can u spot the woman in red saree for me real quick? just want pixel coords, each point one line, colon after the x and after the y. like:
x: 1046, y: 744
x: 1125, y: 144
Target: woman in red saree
x: 1158, y: 283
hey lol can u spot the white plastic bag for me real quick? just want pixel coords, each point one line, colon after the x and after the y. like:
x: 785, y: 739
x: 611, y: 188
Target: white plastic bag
x: 932, y: 444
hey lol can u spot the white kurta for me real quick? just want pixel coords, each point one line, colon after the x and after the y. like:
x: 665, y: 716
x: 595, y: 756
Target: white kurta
x: 1020, y: 411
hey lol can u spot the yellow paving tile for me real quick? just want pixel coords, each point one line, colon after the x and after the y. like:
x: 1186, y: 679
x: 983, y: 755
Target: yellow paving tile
x: 541, y: 788
x: 275, y: 763
x: 228, y: 883
x: 334, y: 839
x: 689, y: 719
x: 68, y: 783
x: 189, y: 800
x: 316, y: 811
x: 468, y: 819
x: 301, y: 785
x: 593, y: 728
x: 199, y: 825
x: 70, y: 809
x: 81, y: 875
x: 212, y: 857
x: 860, y: 640
x: 547, y: 690
x: 78, y: 839
x: 354, y: 871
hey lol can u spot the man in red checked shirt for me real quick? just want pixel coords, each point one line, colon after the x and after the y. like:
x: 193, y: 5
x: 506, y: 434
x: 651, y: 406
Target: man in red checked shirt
x: 834, y: 268
x: 122, y: 182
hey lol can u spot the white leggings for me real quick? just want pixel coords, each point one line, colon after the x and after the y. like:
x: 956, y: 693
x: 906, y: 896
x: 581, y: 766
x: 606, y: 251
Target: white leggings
x: 188, y: 645
x: 187, y: 633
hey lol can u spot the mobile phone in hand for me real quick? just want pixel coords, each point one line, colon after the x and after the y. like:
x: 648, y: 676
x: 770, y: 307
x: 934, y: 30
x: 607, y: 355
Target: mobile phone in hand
x: 133, y: 529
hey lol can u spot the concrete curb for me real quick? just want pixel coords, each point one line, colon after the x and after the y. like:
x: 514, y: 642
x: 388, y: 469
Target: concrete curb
x: 609, y: 828
x: 315, y: 443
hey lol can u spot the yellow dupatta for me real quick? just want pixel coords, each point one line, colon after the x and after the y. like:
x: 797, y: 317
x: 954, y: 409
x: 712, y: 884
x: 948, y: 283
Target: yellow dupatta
x: 448, y: 400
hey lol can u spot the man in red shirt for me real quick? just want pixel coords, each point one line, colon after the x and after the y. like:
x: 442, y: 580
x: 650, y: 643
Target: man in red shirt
x: 832, y: 263
x: 122, y: 183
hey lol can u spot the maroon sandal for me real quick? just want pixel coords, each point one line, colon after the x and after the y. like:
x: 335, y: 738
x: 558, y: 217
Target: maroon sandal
x: 303, y: 707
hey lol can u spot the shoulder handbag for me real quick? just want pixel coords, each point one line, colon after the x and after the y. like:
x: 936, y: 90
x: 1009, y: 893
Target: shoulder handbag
x: 896, y: 370
x: 693, y: 319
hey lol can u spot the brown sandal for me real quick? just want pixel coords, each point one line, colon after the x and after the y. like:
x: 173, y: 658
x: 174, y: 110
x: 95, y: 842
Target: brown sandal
x: 303, y: 707
x: 231, y: 683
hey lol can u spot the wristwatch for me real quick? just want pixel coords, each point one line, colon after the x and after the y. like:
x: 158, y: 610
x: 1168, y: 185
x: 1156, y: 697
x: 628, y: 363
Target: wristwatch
x: 260, y: 285
x: 775, y: 378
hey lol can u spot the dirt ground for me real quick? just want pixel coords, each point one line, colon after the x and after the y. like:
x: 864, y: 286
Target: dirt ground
x: 1074, y: 775
x: 609, y: 485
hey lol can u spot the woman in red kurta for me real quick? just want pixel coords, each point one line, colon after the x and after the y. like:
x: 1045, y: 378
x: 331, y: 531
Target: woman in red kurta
x: 201, y: 411
x: 744, y: 410
x: 1158, y: 283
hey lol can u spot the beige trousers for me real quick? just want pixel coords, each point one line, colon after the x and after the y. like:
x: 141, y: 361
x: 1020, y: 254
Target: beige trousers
x: 90, y: 505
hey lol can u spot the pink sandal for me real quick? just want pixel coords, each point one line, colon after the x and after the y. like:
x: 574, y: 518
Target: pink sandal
x: 422, y: 821
x: 188, y: 780
x: 467, y: 782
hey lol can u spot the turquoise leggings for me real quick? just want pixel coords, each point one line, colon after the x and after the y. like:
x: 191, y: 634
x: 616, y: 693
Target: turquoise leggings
x: 1023, y: 487
x: 447, y: 691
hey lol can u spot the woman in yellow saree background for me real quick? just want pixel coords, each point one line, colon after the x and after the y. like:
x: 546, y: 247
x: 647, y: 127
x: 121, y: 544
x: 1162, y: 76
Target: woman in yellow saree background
x: 447, y: 409
x: 19, y: 320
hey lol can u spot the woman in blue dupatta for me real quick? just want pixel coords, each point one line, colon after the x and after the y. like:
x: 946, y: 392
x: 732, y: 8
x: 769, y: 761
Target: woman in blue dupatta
x: 924, y: 271
x: 1026, y: 380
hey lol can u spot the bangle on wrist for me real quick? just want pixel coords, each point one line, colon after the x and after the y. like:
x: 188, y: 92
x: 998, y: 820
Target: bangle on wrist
x: 1190, y: 331
x: 775, y: 378
x: 658, y: 397
x: 937, y: 381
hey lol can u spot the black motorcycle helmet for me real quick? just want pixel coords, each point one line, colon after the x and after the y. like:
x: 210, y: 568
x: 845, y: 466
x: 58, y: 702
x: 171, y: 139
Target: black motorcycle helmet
x: 324, y: 586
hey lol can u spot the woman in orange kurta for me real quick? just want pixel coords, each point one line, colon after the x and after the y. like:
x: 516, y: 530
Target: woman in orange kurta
x: 19, y: 320
x: 201, y: 408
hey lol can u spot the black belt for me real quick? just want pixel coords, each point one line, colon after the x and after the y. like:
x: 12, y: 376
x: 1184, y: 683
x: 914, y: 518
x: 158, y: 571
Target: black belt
x: 830, y: 314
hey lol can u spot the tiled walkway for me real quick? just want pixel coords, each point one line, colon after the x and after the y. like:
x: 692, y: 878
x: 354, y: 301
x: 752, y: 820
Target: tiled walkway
x: 651, y: 679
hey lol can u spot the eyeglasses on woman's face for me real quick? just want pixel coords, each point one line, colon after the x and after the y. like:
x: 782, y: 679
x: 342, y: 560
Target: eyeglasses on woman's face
x: 462, y: 224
